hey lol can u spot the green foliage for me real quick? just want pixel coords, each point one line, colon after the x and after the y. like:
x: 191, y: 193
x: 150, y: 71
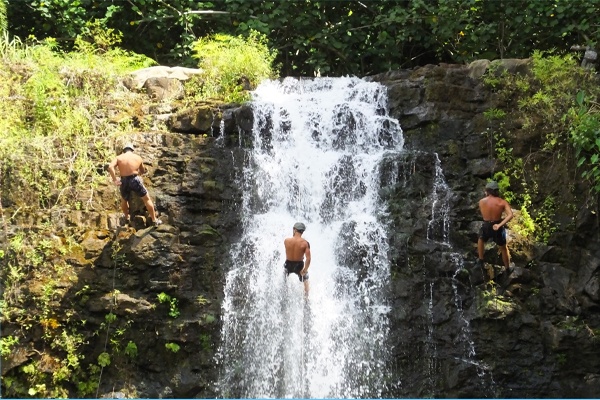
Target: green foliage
x: 6, y: 344
x: 51, y: 377
x: 491, y: 304
x: 201, y: 300
x: 95, y: 36
x: 209, y: 318
x: 57, y: 129
x: 572, y: 323
x: 585, y: 135
x: 327, y: 37
x: 104, y: 359
x: 547, y: 106
x: 524, y: 226
x: 131, y: 350
x: 46, y: 121
x: 174, y: 347
x: 3, y: 22
x: 503, y: 181
x: 171, y: 301
x: 545, y: 220
x: 228, y: 61
x: 110, y: 318
x: 205, y: 341
x: 494, y: 113
x: 87, y: 382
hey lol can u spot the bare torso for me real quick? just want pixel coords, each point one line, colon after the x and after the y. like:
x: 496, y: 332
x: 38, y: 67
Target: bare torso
x: 492, y: 207
x: 130, y: 164
x: 296, y: 248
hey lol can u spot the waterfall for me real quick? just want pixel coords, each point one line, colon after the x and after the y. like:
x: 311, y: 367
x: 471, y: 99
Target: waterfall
x: 439, y: 225
x: 317, y: 149
x: 438, y: 231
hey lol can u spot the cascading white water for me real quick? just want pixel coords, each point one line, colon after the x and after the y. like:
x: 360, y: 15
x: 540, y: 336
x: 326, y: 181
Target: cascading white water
x: 316, y: 153
x: 439, y: 225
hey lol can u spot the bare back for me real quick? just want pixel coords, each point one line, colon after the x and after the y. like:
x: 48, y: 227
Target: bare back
x: 296, y: 248
x: 129, y: 164
x: 492, y: 207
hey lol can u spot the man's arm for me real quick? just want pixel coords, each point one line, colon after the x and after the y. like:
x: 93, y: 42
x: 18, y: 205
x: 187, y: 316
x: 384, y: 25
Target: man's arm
x: 508, y: 217
x: 306, y: 259
x: 111, y: 171
x: 142, y: 169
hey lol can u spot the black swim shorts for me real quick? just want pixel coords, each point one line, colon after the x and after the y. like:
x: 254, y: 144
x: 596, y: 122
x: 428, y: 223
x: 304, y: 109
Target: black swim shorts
x: 487, y: 232
x: 294, y: 267
x: 132, y: 183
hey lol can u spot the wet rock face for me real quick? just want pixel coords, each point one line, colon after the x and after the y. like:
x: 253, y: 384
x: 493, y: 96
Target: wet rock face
x: 460, y: 330
x: 177, y: 267
x: 455, y: 333
x: 159, y: 287
x: 452, y: 332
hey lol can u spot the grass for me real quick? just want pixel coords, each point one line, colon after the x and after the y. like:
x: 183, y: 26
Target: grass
x: 55, y: 125
x: 57, y: 129
x: 62, y: 117
x: 229, y: 61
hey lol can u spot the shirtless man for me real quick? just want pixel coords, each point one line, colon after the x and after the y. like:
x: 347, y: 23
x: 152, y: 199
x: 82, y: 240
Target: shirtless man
x: 493, y: 227
x: 130, y: 167
x: 297, y: 254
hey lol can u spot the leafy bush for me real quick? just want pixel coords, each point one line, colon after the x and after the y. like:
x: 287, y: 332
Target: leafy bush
x: 56, y: 128
x: 55, y: 113
x: 585, y: 135
x: 231, y: 62
x: 559, y: 124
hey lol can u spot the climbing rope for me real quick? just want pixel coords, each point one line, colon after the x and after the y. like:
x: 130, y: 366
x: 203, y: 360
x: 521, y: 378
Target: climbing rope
x: 302, y: 353
x: 112, y: 303
x: 2, y: 214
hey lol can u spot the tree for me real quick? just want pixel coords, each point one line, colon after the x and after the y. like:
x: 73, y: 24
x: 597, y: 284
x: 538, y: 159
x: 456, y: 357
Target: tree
x: 326, y: 37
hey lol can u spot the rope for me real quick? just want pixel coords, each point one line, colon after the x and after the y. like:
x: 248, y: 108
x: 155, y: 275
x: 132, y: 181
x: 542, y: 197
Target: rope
x: 2, y: 214
x: 302, y: 337
x: 110, y: 312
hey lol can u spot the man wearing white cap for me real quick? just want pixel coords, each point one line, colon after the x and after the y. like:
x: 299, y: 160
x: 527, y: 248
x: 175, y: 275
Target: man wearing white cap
x: 297, y: 254
x: 131, y: 166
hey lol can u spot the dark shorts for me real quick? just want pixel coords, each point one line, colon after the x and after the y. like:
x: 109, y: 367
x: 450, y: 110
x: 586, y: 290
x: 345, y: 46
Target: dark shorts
x: 132, y: 183
x: 487, y: 232
x: 294, y: 267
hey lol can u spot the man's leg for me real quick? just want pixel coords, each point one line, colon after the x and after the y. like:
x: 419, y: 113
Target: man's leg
x: 125, y: 209
x: 150, y: 207
x: 505, y: 256
x: 306, y: 287
x: 480, y: 248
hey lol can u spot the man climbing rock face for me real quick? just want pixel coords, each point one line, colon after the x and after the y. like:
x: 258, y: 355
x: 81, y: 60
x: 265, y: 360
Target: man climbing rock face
x: 492, y: 206
x: 131, y: 166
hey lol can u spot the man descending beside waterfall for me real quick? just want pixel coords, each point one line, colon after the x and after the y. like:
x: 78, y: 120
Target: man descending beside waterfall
x: 492, y: 206
x: 297, y: 254
x: 131, y: 166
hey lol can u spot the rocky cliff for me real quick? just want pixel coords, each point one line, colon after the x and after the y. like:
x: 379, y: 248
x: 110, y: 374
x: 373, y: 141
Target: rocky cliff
x: 150, y: 298
x: 530, y: 333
